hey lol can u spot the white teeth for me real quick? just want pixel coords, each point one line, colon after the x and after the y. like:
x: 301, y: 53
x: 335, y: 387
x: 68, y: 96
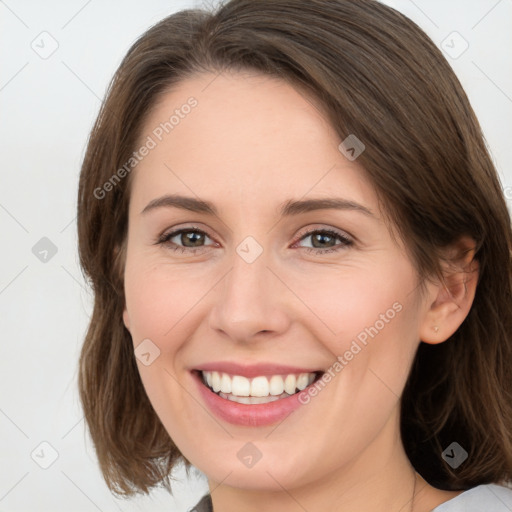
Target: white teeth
x: 240, y: 386
x: 276, y: 385
x: 258, y: 387
x: 302, y: 381
x: 290, y: 384
x: 253, y: 399
x: 215, y: 381
x: 225, y: 384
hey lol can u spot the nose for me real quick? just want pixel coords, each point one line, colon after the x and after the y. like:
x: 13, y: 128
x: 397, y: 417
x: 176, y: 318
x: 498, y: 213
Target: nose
x: 250, y: 301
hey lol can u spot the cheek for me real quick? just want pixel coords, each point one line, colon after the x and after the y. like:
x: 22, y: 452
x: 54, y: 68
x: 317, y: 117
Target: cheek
x: 367, y: 319
x: 162, y: 300
x: 159, y: 307
x: 149, y: 294
x: 343, y: 303
x: 148, y: 305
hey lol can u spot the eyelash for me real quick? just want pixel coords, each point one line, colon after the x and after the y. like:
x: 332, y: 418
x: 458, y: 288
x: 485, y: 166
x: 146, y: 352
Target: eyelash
x: 166, y: 237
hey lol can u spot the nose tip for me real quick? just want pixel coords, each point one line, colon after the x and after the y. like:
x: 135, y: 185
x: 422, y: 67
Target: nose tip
x: 249, y: 299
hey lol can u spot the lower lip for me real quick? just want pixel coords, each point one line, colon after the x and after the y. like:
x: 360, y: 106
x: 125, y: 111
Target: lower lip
x: 249, y: 415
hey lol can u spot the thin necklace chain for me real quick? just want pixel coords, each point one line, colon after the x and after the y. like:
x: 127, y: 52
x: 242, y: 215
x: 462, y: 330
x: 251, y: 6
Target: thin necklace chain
x: 413, y: 492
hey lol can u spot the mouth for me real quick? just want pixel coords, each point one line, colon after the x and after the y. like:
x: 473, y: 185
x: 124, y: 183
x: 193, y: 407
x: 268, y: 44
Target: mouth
x: 262, y: 389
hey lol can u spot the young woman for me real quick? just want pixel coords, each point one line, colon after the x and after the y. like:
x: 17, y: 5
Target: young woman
x: 301, y: 259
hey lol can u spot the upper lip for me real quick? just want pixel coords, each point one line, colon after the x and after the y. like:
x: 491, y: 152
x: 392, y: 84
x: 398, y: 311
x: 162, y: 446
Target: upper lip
x: 253, y: 370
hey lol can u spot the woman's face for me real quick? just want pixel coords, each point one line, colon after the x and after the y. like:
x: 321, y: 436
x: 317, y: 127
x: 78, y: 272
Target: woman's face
x: 265, y: 281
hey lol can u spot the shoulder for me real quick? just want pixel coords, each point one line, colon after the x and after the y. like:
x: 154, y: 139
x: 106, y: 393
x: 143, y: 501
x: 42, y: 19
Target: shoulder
x: 477, y: 499
x: 483, y: 498
x: 204, y: 505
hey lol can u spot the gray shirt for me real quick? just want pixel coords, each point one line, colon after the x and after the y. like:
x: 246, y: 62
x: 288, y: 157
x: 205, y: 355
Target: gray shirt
x: 483, y: 498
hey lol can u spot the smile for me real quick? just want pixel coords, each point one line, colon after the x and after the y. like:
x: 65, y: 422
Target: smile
x: 258, y: 390
x: 254, y: 401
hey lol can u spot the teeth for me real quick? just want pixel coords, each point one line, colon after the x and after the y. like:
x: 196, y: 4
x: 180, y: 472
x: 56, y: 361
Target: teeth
x: 276, y: 385
x: 253, y: 399
x: 290, y: 384
x: 302, y: 381
x: 225, y: 383
x: 215, y: 381
x: 258, y: 387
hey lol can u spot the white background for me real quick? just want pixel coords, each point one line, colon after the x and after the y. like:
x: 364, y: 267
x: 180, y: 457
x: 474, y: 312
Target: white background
x: 47, y: 108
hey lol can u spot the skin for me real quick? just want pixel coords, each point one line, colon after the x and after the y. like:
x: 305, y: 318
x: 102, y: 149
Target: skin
x: 252, y: 143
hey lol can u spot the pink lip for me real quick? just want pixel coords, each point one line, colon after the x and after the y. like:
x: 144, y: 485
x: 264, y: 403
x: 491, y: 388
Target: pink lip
x: 254, y: 370
x: 249, y: 415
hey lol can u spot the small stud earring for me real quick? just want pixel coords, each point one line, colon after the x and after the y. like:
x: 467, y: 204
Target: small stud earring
x: 436, y: 328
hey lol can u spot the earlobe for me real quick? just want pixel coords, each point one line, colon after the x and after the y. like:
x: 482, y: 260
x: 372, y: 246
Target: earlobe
x: 451, y: 301
x: 126, y: 319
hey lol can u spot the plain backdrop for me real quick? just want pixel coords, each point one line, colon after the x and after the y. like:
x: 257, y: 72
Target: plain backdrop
x: 56, y: 61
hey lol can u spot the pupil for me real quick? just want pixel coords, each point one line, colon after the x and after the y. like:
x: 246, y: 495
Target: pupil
x: 193, y: 237
x: 322, y: 236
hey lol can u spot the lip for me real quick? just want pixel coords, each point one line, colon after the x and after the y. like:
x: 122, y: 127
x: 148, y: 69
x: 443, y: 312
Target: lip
x: 248, y: 415
x: 254, y: 370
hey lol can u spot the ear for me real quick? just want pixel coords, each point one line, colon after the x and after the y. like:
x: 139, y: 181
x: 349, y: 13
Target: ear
x: 449, y: 302
x: 119, y: 262
x: 126, y: 318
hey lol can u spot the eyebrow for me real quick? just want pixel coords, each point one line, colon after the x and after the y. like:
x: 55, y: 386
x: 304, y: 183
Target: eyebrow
x: 289, y: 208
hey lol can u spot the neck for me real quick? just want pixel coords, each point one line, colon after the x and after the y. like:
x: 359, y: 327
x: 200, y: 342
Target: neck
x: 379, y: 480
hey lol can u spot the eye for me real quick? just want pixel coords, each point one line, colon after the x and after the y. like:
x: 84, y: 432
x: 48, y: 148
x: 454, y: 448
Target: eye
x: 191, y: 238
x: 322, y: 240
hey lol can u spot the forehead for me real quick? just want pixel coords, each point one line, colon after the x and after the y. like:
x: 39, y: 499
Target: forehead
x: 247, y: 136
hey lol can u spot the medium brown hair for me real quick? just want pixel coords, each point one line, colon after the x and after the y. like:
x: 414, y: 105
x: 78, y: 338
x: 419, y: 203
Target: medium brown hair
x: 378, y: 76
